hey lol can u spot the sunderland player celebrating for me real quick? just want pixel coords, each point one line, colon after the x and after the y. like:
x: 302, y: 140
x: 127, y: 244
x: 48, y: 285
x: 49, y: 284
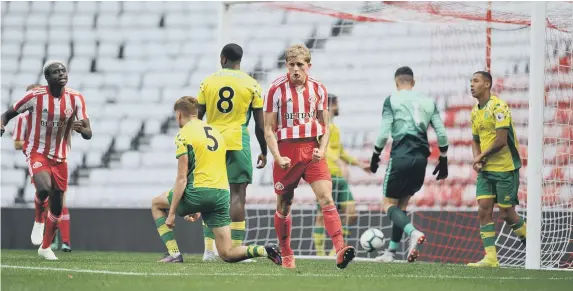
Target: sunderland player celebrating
x: 337, y: 159
x: 229, y: 97
x: 201, y: 188
x: 407, y: 115
x: 19, y: 135
x: 496, y: 160
x: 52, y: 110
x: 297, y: 133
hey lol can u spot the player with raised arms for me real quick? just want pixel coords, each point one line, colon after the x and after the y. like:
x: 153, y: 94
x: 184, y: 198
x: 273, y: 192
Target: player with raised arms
x: 407, y: 114
x: 54, y: 111
x: 19, y: 135
x: 229, y: 97
x: 337, y: 159
x: 496, y: 160
x: 297, y: 133
x: 201, y: 189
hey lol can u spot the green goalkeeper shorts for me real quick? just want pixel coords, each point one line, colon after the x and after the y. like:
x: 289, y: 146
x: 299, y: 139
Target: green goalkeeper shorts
x: 213, y: 204
x: 240, y: 164
x: 501, y: 186
x: 340, y: 192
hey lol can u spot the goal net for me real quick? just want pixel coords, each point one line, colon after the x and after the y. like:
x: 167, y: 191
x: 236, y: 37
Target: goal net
x: 356, y: 47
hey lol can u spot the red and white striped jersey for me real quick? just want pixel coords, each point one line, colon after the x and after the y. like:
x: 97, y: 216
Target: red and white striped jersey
x: 50, y: 121
x: 20, y: 123
x: 297, y: 107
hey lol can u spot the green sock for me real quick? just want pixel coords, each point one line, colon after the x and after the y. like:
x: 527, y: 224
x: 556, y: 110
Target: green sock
x: 400, y: 219
x: 209, y: 238
x: 256, y: 251
x: 167, y: 236
x: 520, y: 229
x: 237, y: 233
x: 487, y: 233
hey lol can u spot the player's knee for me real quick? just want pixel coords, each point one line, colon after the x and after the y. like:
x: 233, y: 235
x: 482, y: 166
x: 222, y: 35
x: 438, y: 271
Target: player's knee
x: 56, y: 203
x: 504, y: 213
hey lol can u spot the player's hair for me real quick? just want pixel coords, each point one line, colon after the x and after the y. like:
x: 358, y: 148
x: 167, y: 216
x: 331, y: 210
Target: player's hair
x: 404, y: 74
x: 487, y: 76
x: 187, y: 104
x: 50, y: 63
x: 332, y: 99
x: 233, y: 52
x: 32, y: 86
x: 296, y: 50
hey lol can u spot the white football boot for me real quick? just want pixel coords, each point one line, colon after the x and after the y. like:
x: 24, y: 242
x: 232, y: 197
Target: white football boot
x: 37, y: 233
x: 47, y: 254
x: 387, y: 256
x: 209, y: 256
x: 417, y: 238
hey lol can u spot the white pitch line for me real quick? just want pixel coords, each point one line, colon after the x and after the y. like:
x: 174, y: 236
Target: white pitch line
x: 418, y: 276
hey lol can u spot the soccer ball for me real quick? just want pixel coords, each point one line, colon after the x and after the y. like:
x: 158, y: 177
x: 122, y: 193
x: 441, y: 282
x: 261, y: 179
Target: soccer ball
x: 372, y: 240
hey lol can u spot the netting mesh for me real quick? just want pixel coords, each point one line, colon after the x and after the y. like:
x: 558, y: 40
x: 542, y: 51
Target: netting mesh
x: 356, y: 48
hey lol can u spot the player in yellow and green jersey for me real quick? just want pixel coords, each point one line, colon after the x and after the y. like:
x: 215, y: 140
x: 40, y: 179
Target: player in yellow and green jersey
x: 337, y: 159
x: 496, y: 160
x: 201, y: 189
x: 229, y: 97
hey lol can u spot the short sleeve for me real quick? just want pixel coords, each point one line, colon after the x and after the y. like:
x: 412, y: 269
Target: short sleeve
x: 502, y: 116
x: 81, y: 108
x: 258, y: 101
x: 181, y: 145
x: 271, y: 102
x: 26, y: 103
x: 201, y: 93
x: 323, y: 93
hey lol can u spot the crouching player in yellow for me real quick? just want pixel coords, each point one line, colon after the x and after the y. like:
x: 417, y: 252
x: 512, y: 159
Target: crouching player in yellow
x: 497, y: 162
x: 337, y: 159
x: 201, y: 189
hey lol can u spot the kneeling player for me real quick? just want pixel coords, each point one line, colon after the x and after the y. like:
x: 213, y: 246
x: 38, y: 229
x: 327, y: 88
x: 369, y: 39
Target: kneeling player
x: 201, y: 187
x: 407, y: 114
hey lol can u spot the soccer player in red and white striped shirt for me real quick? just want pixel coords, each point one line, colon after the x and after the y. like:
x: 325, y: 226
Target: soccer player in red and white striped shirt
x: 53, y: 110
x: 297, y: 133
x: 19, y: 134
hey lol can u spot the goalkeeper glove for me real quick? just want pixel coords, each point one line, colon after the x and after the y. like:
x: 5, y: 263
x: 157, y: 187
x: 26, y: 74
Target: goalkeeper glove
x: 375, y: 159
x: 441, y: 168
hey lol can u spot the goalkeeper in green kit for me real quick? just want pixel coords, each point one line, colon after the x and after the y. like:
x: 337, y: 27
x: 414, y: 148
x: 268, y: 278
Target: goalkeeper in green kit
x: 407, y: 115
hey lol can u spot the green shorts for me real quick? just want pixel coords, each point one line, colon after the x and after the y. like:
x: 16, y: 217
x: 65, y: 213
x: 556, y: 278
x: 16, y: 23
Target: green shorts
x: 501, y: 186
x: 213, y: 204
x: 340, y: 191
x: 240, y: 164
x: 404, y: 176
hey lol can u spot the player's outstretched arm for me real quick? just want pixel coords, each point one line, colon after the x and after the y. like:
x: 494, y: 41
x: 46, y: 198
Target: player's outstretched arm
x: 385, y: 128
x: 178, y: 188
x: 6, y: 117
x: 260, y: 134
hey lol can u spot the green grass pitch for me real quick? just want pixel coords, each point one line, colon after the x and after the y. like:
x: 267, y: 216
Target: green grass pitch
x: 23, y: 270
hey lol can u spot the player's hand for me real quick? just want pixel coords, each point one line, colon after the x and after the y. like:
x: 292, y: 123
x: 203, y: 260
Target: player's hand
x: 477, y: 167
x: 192, y: 217
x: 261, y: 161
x: 2, y: 130
x: 317, y: 154
x: 441, y: 168
x: 365, y: 167
x: 78, y: 126
x: 374, y: 162
x: 283, y: 162
x: 170, y: 221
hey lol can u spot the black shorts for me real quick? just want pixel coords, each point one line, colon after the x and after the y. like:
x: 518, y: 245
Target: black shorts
x: 404, y: 176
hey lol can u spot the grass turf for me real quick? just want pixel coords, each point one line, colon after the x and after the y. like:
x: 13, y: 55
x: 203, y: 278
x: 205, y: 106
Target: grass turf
x: 24, y: 270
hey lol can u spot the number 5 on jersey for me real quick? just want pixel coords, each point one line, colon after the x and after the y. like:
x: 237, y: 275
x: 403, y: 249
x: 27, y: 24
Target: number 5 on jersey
x: 215, y: 145
x: 227, y: 100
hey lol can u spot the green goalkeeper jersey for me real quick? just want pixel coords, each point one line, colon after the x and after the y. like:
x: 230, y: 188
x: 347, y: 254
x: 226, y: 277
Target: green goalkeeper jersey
x: 407, y: 115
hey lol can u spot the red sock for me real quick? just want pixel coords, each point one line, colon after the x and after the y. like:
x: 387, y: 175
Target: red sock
x: 39, y: 207
x: 50, y: 229
x: 333, y: 226
x: 65, y: 226
x: 283, y: 227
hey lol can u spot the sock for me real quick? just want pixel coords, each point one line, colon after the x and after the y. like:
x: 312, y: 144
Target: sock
x: 283, y: 227
x: 209, y: 238
x: 318, y: 235
x: 238, y: 233
x: 65, y: 226
x: 167, y: 237
x: 39, y: 207
x: 256, y: 251
x: 487, y: 233
x: 52, y: 222
x: 520, y: 229
x: 333, y: 226
x: 396, y: 238
x: 400, y: 219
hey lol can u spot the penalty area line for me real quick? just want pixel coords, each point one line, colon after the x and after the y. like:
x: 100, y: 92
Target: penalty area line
x: 191, y: 274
